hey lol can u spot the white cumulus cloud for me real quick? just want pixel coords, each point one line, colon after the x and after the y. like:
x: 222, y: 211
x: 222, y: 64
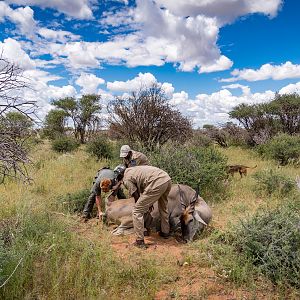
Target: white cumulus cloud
x: 12, y: 50
x: 57, y: 35
x: 80, y: 9
x: 143, y: 80
x: 224, y: 10
x: 286, y: 70
x: 22, y: 17
x: 89, y: 83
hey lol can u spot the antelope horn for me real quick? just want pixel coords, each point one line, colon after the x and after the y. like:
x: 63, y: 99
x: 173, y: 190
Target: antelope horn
x: 193, y: 201
x: 199, y: 219
x: 181, y: 198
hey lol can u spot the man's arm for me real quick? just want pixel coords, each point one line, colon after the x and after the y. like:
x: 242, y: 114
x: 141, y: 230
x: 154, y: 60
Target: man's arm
x: 99, y: 203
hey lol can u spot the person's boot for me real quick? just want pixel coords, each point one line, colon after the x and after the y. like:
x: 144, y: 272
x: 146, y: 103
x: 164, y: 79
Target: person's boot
x: 164, y: 235
x: 140, y: 244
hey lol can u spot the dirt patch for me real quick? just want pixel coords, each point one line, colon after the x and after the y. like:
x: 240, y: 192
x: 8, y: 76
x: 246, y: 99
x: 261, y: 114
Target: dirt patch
x: 157, y: 245
x: 193, y: 280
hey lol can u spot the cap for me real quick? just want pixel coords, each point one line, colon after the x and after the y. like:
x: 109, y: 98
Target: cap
x: 120, y: 169
x: 124, y: 150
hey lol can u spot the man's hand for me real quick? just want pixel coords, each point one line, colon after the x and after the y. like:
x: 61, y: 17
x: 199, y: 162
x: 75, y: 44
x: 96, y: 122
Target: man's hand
x: 116, y: 186
x: 100, y: 215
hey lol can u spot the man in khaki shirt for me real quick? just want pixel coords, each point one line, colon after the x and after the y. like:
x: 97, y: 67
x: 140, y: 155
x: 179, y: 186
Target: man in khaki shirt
x: 132, y: 158
x: 147, y: 185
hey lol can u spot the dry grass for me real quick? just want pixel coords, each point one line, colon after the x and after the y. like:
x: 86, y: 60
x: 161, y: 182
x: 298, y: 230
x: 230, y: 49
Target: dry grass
x: 243, y: 201
x: 70, y: 260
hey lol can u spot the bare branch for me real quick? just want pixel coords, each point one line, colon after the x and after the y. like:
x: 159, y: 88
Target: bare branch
x: 13, y: 154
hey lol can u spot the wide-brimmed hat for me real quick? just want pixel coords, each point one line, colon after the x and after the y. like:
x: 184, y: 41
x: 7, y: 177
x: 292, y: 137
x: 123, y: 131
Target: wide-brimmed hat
x: 124, y: 151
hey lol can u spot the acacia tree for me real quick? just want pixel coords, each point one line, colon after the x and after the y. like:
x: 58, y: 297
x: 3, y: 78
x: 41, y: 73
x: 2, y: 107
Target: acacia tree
x: 286, y: 108
x: 256, y: 119
x: 83, y: 113
x: 147, y: 117
x: 263, y: 121
x: 13, y: 154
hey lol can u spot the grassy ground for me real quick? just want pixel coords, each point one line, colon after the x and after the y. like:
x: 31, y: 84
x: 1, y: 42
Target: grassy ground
x: 58, y: 257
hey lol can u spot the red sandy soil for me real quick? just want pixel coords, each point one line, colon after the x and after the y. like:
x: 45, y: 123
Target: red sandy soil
x: 192, y: 282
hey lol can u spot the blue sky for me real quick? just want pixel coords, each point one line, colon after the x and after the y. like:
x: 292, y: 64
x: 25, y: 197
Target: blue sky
x: 208, y: 55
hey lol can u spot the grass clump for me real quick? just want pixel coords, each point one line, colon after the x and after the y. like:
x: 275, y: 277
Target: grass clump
x: 73, y: 202
x: 56, y: 263
x: 65, y: 144
x: 100, y: 147
x: 191, y: 166
x: 283, y: 148
x: 270, y: 183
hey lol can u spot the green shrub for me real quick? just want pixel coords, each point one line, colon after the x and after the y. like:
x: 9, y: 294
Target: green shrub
x: 269, y: 182
x: 283, y: 148
x: 65, y: 144
x: 75, y: 201
x: 192, y: 165
x: 100, y: 147
x: 199, y: 139
x: 271, y: 240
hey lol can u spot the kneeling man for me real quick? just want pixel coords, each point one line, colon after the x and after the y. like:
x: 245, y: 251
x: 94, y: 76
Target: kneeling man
x: 147, y: 185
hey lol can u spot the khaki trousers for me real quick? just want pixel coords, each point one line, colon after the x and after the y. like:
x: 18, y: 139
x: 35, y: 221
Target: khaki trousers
x: 147, y: 199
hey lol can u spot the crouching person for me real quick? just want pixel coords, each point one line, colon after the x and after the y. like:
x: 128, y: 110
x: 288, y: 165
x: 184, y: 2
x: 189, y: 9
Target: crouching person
x: 147, y: 185
x: 105, y: 180
x: 133, y: 158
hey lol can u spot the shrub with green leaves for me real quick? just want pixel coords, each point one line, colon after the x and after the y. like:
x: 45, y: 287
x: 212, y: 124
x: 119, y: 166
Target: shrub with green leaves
x: 200, y: 139
x: 270, y: 183
x: 75, y: 201
x: 65, y: 144
x: 271, y: 240
x: 191, y: 166
x: 283, y: 148
x: 100, y: 147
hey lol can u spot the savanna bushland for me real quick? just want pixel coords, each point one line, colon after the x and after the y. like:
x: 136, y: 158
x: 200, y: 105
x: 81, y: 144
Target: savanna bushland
x: 251, y: 250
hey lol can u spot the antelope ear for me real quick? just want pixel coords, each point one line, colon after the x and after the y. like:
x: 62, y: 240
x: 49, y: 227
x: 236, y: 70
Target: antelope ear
x: 198, y: 218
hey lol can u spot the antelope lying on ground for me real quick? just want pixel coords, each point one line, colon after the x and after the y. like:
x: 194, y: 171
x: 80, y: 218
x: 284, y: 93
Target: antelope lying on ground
x: 187, y: 212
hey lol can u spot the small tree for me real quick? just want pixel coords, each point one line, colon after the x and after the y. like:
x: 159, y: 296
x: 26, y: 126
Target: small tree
x: 147, y: 117
x: 54, y: 123
x: 83, y: 113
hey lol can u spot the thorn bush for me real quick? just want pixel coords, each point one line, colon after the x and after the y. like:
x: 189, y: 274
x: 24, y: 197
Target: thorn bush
x: 271, y: 239
x: 270, y: 183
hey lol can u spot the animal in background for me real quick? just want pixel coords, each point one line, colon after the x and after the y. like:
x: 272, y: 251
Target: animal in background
x: 238, y: 169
